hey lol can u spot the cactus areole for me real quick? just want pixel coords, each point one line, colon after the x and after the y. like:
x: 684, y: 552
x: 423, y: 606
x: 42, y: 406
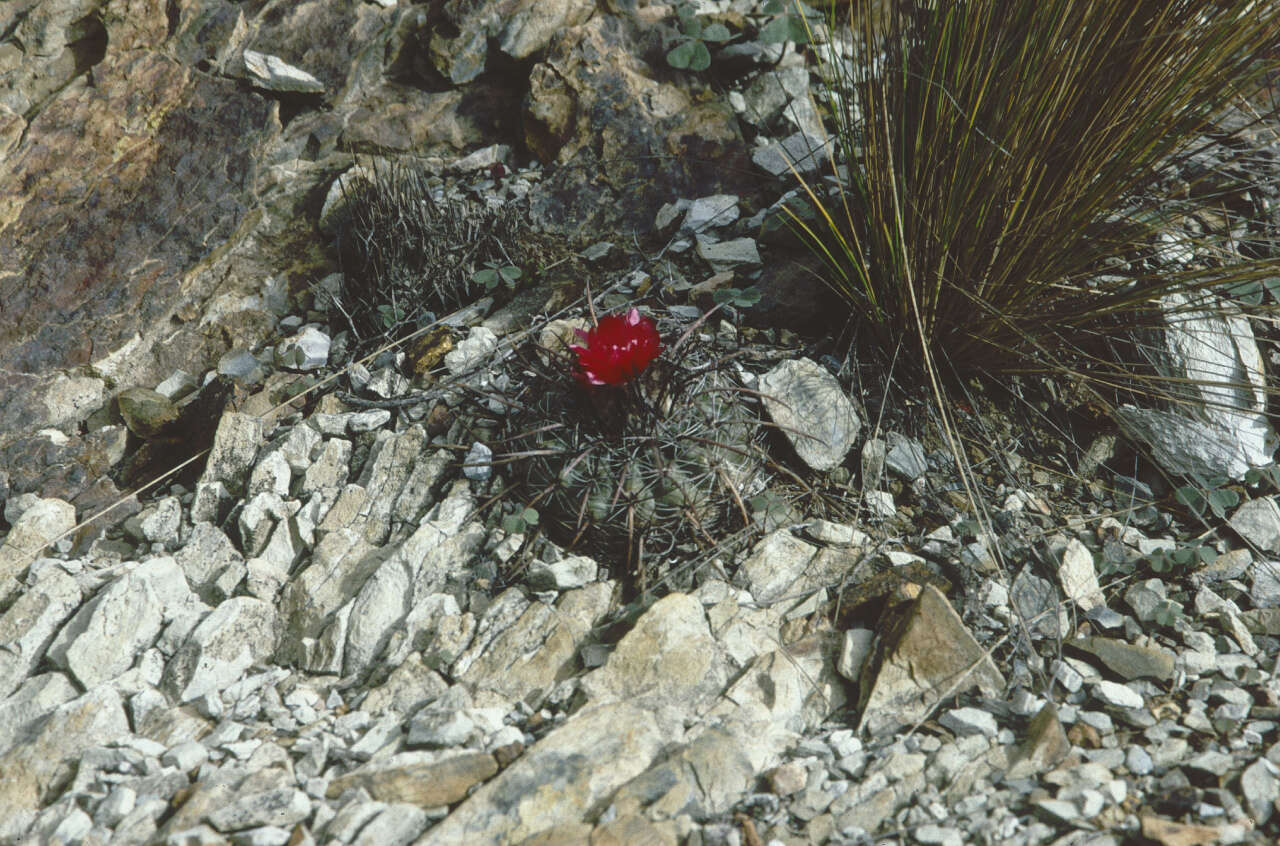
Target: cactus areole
x: 617, y: 350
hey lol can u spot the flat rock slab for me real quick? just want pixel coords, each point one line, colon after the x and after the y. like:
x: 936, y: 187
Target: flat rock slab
x: 928, y: 656
x: 812, y: 410
x: 1126, y: 659
x: 566, y: 776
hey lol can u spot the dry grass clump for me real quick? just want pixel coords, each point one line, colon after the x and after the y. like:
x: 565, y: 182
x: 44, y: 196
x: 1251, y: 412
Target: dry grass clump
x: 1018, y: 182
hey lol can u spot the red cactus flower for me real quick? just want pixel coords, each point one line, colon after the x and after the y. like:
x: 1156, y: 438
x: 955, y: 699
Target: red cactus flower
x: 617, y: 350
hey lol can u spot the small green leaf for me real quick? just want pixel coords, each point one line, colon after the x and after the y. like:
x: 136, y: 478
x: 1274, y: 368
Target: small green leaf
x: 530, y: 516
x: 1222, y: 499
x: 1207, y: 554
x: 772, y: 7
x: 716, y: 32
x: 689, y: 21
x: 510, y: 274
x: 1191, y: 497
x: 681, y: 56
x: 776, y: 31
x: 701, y: 57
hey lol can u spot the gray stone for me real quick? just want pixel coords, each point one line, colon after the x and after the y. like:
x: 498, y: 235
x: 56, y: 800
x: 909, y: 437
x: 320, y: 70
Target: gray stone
x: 274, y: 74
x: 382, y: 602
x: 1220, y: 425
x: 177, y: 385
x: 964, y: 721
x: 242, y: 366
x: 669, y: 656
x: 711, y: 212
x: 329, y: 472
x: 146, y: 413
x: 31, y: 701
x: 1260, y: 789
x: 437, y: 728
x: 905, y: 457
x: 472, y: 351
x: 1145, y: 597
x: 239, y: 632
x: 272, y: 807
x: 1128, y: 660
x: 396, y: 824
x: 1117, y: 695
x: 159, y: 522
x: 729, y: 253
x: 187, y: 756
x: 271, y: 475
x: 258, y: 519
x: 529, y: 27
x: 235, y: 444
x: 29, y: 534
x: 775, y: 564
x: 569, y: 572
x: 874, y: 453
x: 812, y: 410
x: 117, y: 805
x: 1264, y: 586
x: 386, y: 472
x: 834, y: 534
x: 298, y: 447
x: 1078, y: 577
x: 1258, y: 522
x: 855, y: 648
x: 48, y: 755
x: 522, y: 649
x: 27, y: 627
x: 267, y: 835
x: 579, y: 764
x: 267, y: 571
x: 340, y: 563
x: 933, y: 656
x: 478, y: 466
x: 105, y: 636
x: 210, y: 562
x: 805, y: 153
x: 308, y: 350
x: 206, y: 506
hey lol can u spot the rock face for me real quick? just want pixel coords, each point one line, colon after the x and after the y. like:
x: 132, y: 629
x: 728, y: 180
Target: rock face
x: 626, y: 142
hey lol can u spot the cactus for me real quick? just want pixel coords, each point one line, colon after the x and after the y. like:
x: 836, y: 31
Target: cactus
x: 636, y: 472
x: 409, y: 254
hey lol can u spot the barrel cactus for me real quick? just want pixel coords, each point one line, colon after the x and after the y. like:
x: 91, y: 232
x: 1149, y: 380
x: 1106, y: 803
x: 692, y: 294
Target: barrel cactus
x: 630, y: 453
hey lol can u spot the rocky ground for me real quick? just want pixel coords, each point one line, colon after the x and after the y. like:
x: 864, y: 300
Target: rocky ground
x: 331, y: 628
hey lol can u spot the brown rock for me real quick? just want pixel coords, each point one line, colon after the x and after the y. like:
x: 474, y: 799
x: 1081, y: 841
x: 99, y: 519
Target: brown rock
x: 925, y: 657
x: 787, y: 778
x: 146, y: 412
x: 1170, y: 833
x: 630, y: 830
x: 1044, y: 747
x: 1127, y: 660
x: 427, y: 784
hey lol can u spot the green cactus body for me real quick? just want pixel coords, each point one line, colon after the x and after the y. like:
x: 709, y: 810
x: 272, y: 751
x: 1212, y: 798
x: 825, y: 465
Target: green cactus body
x: 659, y: 463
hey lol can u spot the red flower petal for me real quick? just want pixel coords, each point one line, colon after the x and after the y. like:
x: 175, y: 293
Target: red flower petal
x: 617, y: 350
